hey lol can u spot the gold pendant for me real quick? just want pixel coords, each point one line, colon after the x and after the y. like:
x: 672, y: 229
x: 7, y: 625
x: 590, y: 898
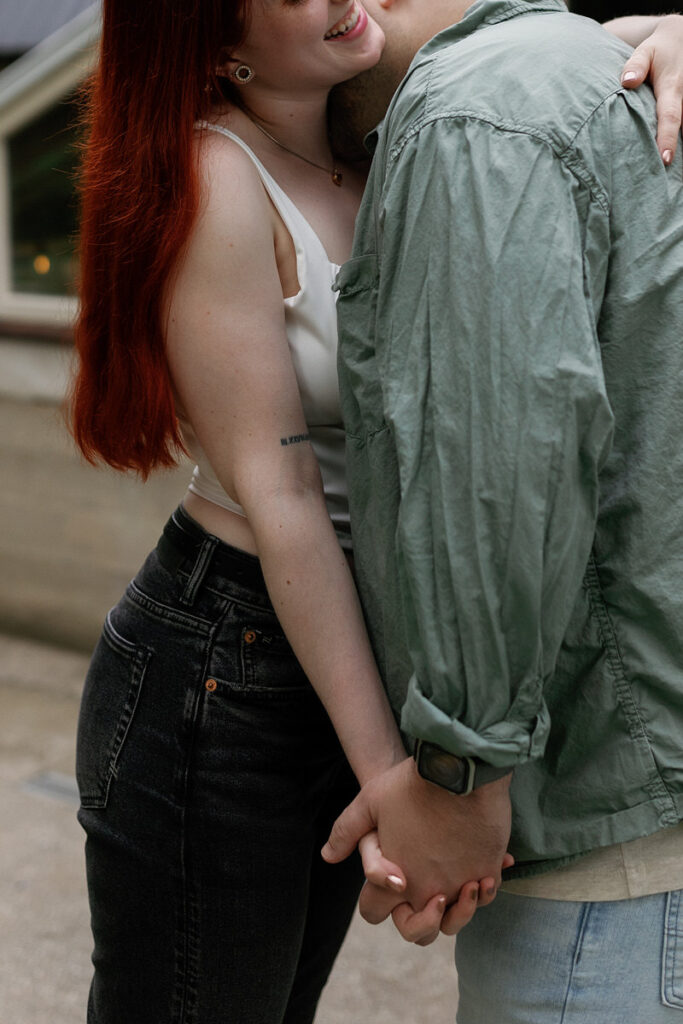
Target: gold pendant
x: 337, y: 177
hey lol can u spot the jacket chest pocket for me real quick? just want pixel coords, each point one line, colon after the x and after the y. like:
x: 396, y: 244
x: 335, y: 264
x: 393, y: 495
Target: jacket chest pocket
x: 359, y: 379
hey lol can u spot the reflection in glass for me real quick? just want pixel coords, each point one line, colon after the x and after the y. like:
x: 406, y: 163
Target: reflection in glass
x: 42, y: 161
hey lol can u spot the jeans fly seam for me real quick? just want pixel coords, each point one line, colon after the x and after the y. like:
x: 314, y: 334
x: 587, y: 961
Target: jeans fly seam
x: 583, y: 923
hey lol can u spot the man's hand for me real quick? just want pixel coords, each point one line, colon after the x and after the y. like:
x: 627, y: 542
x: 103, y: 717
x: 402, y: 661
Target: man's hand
x: 660, y: 59
x: 441, y: 841
x: 421, y: 927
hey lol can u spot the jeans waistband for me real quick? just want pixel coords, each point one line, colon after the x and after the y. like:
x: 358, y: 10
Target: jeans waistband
x: 186, y: 546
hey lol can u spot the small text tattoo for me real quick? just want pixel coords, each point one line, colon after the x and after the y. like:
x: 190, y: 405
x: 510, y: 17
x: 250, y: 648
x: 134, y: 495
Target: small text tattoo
x: 294, y: 439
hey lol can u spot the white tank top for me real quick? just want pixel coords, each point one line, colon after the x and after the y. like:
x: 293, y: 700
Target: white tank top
x: 311, y: 325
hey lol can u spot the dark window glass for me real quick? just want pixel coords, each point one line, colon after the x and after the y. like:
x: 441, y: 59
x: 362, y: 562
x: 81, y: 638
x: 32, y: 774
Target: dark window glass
x: 42, y: 162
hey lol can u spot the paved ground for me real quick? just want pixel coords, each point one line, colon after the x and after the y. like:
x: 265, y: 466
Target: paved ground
x: 44, y: 935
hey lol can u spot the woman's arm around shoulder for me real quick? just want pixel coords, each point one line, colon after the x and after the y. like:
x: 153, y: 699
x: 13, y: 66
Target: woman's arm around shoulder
x: 658, y: 57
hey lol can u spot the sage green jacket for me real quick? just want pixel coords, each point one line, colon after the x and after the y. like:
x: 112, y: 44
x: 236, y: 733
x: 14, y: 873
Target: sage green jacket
x: 511, y: 366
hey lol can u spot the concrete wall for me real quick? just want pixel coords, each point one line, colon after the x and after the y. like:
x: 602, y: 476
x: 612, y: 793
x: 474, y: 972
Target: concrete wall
x: 70, y: 536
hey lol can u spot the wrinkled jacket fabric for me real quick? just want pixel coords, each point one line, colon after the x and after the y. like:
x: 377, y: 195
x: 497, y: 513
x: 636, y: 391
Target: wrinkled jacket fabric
x: 511, y: 366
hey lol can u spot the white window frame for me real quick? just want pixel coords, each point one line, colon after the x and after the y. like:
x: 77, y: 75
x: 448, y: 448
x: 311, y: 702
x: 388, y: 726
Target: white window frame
x: 28, y: 87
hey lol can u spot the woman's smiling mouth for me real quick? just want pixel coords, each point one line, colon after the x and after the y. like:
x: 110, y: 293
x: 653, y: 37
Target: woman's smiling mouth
x: 352, y: 24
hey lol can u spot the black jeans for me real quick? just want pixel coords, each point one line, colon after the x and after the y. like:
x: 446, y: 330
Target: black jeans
x: 209, y: 776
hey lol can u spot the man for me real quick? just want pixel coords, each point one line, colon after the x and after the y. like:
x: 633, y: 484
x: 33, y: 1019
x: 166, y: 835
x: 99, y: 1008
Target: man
x: 511, y: 353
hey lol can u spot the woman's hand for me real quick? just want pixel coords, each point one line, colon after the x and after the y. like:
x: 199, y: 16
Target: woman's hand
x: 659, y: 59
x: 419, y: 927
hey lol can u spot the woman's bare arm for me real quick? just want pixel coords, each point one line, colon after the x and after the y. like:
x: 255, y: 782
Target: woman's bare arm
x: 658, y: 57
x: 633, y: 30
x: 232, y: 367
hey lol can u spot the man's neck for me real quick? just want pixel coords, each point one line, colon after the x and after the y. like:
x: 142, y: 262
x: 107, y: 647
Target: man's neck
x: 357, y: 106
x: 421, y: 22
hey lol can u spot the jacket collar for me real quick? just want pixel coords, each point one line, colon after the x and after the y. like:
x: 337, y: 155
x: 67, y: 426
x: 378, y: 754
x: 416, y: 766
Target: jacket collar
x: 486, y: 12
x: 480, y: 14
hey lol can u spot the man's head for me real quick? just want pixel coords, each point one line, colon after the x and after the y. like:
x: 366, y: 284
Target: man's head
x: 359, y: 104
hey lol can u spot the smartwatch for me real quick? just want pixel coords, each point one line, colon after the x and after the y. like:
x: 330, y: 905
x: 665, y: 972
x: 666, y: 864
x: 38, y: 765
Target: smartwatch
x: 457, y: 774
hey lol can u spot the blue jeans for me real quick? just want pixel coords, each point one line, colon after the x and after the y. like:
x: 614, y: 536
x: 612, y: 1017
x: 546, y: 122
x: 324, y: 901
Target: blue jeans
x: 209, y: 776
x: 540, y: 961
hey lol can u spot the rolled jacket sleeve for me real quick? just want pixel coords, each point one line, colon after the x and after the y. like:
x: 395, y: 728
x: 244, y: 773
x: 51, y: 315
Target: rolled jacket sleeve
x: 494, y: 394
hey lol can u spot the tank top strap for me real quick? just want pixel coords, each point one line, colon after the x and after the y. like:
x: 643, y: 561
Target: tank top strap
x: 295, y: 222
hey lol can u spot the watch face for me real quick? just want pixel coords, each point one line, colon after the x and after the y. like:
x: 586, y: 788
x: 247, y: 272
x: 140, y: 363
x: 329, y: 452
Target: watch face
x: 443, y: 768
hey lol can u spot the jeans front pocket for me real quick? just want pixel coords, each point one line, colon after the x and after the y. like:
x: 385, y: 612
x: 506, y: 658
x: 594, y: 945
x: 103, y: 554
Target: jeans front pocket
x: 269, y: 664
x: 110, y: 698
x: 672, y: 953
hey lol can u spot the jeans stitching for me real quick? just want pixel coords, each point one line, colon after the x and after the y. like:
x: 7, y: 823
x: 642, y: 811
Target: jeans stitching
x: 138, y: 657
x: 636, y: 724
x: 140, y: 663
x: 187, y: 951
x: 200, y: 570
x: 583, y: 924
x: 669, y: 995
x: 166, y: 613
x: 248, y: 681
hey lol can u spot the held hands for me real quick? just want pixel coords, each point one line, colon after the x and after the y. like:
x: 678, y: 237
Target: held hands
x: 442, y: 842
x: 660, y: 59
x: 420, y: 927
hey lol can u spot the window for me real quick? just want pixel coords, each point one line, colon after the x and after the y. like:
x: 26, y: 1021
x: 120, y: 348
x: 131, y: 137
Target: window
x: 42, y: 159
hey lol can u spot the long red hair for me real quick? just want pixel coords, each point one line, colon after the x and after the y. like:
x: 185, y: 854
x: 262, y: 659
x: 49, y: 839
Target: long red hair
x: 139, y: 198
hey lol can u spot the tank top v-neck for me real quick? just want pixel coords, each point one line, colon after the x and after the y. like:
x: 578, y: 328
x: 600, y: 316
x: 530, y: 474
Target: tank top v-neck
x: 311, y: 327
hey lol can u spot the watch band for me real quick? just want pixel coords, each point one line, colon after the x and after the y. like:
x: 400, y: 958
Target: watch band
x: 458, y: 775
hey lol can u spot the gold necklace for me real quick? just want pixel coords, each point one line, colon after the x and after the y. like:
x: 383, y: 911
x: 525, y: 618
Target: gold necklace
x: 335, y: 173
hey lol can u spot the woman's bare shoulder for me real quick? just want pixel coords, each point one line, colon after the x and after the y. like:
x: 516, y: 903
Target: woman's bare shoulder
x: 226, y: 171
x: 234, y: 212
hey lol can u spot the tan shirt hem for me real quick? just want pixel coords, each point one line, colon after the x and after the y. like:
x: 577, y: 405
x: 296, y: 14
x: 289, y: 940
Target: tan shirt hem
x: 642, y: 867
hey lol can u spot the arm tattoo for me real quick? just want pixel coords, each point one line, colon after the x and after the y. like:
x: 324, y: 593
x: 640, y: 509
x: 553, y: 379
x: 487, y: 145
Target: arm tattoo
x: 294, y: 439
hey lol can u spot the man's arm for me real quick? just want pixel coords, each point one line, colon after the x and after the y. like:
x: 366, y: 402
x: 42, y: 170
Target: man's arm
x: 495, y: 397
x: 496, y: 401
x: 659, y: 58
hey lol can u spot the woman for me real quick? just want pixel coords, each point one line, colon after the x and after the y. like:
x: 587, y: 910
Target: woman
x: 214, y: 217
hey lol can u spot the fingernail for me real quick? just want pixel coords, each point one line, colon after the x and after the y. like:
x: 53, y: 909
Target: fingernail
x: 629, y: 76
x: 491, y: 891
x: 667, y: 156
x: 395, y: 882
x: 441, y: 902
x: 474, y: 895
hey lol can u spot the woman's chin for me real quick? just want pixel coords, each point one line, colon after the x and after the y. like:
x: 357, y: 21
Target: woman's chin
x: 367, y: 53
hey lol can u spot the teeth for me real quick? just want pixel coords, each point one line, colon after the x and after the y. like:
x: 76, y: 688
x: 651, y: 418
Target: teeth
x: 345, y: 26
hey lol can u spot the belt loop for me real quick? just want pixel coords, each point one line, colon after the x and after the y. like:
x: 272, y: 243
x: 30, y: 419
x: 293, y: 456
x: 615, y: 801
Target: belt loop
x: 200, y: 570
